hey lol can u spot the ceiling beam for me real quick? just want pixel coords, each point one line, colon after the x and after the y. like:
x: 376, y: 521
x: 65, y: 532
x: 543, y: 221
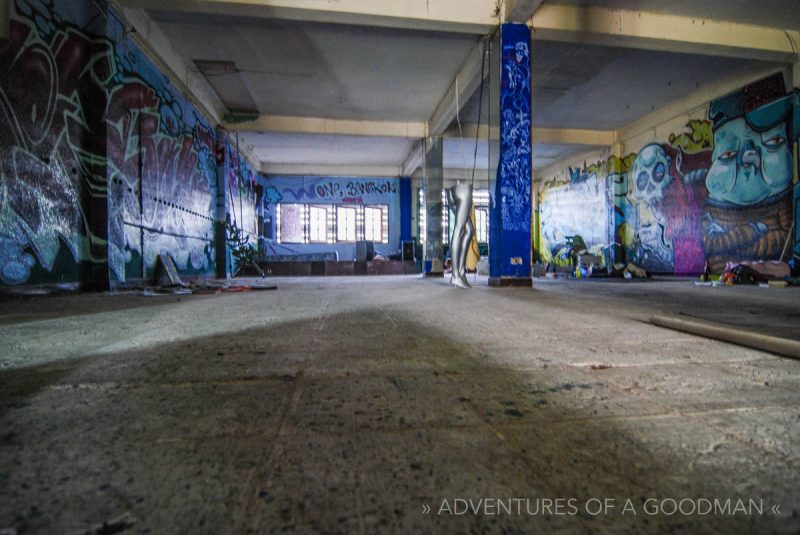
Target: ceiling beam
x: 321, y: 125
x: 466, y: 82
x: 663, y: 32
x: 466, y: 16
x: 414, y: 160
x: 284, y: 169
x: 520, y: 10
x: 552, y: 136
x: 573, y: 136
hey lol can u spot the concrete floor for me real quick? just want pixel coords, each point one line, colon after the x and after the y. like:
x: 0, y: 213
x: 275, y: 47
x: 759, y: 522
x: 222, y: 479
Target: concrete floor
x: 348, y: 405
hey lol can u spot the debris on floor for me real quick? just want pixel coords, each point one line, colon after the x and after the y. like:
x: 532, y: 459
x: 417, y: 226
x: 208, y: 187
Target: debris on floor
x: 166, y: 272
x: 207, y: 287
x: 772, y: 274
x: 770, y: 269
x: 773, y: 284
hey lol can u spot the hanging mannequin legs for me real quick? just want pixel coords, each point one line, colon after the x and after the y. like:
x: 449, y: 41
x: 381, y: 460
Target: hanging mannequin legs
x: 460, y: 197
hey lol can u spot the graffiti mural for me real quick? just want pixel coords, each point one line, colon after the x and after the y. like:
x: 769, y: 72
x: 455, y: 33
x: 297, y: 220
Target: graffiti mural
x: 668, y: 193
x: 333, y: 190
x: 103, y: 161
x: 510, y: 214
x: 515, y: 144
x: 578, y: 208
x: 330, y: 190
x: 720, y: 191
x: 49, y: 174
x: 161, y: 169
x: 749, y: 209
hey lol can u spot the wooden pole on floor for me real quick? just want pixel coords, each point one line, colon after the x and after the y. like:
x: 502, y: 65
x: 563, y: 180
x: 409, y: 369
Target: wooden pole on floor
x: 733, y: 335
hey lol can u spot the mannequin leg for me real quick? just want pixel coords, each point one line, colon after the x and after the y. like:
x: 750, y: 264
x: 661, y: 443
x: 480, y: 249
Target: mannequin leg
x: 466, y: 239
x: 462, y: 234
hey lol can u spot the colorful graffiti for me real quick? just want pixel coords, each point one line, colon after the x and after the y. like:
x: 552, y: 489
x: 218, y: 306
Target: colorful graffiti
x: 47, y: 166
x: 749, y: 207
x: 160, y: 186
x: 668, y: 194
x: 578, y: 208
x: 332, y: 190
x: 103, y: 161
x: 329, y: 190
x: 510, y: 216
x: 515, y: 143
x: 720, y: 191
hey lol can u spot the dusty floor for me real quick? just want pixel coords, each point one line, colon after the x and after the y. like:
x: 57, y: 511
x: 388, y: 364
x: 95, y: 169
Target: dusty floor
x: 352, y: 405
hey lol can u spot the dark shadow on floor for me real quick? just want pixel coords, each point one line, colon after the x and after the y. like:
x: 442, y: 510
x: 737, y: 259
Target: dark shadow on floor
x: 342, y: 424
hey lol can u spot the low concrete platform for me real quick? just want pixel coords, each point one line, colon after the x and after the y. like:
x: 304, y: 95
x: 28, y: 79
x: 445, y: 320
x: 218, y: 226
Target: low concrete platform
x: 398, y: 405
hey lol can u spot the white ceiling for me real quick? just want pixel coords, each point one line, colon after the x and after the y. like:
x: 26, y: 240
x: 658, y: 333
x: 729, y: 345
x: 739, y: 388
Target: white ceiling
x: 605, y: 88
x: 326, y: 70
x: 319, y: 149
x: 460, y: 154
x: 310, y: 69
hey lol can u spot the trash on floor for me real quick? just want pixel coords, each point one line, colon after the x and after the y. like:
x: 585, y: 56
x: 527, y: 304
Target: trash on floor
x: 765, y: 274
x: 632, y: 270
x: 208, y: 287
x: 166, y: 272
x: 773, y: 284
x: 770, y: 269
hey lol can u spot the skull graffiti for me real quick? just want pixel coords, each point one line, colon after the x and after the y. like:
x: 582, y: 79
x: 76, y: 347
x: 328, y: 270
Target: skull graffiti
x: 651, y: 178
x: 650, y: 174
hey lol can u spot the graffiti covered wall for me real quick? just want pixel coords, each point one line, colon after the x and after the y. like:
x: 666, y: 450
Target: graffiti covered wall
x: 161, y: 169
x: 331, y: 190
x: 52, y: 182
x: 716, y: 192
x: 576, y: 208
x: 104, y: 164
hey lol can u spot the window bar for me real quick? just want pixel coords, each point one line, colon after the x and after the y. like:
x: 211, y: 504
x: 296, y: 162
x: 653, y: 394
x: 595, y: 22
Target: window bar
x: 278, y: 222
x: 360, y: 222
x: 384, y: 224
x: 331, y: 215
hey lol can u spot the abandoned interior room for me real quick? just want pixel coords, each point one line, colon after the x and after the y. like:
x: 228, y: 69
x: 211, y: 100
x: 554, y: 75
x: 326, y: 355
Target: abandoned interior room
x: 408, y: 266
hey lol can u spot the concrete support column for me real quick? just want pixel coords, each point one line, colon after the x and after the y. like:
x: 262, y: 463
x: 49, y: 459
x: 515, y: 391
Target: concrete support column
x: 220, y: 232
x: 796, y: 76
x: 95, y: 275
x: 434, y: 182
x: 618, y: 191
x: 510, y: 213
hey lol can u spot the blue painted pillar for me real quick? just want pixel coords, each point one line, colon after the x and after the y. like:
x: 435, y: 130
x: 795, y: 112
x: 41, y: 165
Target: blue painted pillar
x: 405, y: 208
x: 510, y: 213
